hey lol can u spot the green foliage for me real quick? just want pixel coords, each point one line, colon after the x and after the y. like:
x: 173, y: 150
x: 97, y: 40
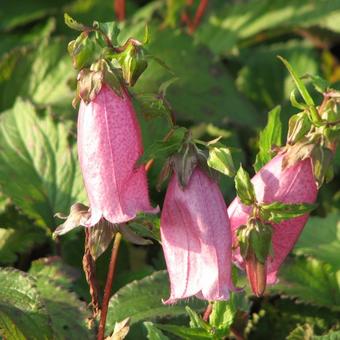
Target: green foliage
x: 321, y: 239
x: 244, y: 187
x: 23, y: 313
x: 224, y: 78
x: 238, y: 24
x: 270, y: 136
x: 311, y: 281
x: 38, y: 168
x: 142, y: 300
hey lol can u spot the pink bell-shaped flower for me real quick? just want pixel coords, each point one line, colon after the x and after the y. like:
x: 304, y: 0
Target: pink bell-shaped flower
x: 196, y: 239
x: 109, y: 145
x: 291, y: 185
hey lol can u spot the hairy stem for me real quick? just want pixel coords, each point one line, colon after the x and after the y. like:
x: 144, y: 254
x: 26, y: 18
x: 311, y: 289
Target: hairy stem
x: 108, y: 286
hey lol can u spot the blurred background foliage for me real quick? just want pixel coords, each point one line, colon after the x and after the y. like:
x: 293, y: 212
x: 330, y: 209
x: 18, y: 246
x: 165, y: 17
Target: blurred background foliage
x: 228, y: 79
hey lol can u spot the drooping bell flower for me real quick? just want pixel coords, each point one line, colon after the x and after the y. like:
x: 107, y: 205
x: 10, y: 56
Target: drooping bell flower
x: 196, y: 239
x: 275, y: 183
x: 109, y: 145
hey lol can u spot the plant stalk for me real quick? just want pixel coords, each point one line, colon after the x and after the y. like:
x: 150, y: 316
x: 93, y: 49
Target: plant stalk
x: 108, y: 286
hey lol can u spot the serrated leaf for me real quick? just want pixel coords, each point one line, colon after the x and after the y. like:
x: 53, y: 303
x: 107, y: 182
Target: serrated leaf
x: 221, y: 160
x: 270, y: 136
x: 244, y: 187
x: 23, y: 314
x: 68, y: 314
x: 304, y: 332
x: 53, y: 268
x: 41, y: 74
x: 54, y: 280
x: 310, y: 281
x: 142, y: 300
x: 277, y: 212
x: 38, y: 168
x: 153, y: 332
x: 320, y: 238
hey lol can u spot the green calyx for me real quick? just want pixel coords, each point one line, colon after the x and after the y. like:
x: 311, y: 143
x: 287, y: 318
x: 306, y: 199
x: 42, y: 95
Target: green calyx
x: 314, y: 132
x: 98, y: 44
x: 255, y: 238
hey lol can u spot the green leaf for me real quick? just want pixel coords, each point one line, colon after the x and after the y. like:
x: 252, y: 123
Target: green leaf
x: 14, y: 241
x: 54, y: 280
x: 23, y: 314
x: 153, y: 332
x: 262, y: 77
x: 320, y: 238
x: 38, y: 168
x: 222, y: 315
x: 18, y: 13
x: 299, y: 83
x: 68, y: 314
x: 53, y: 268
x: 166, y: 147
x: 310, y: 281
x: 277, y: 212
x: 186, y: 333
x: 239, y: 24
x: 142, y: 300
x: 152, y: 106
x: 196, y: 320
x: 269, y: 136
x: 147, y: 225
x: 332, y: 335
x: 221, y: 160
x: 304, y: 332
x: 204, y: 85
x: 244, y: 187
x: 41, y: 73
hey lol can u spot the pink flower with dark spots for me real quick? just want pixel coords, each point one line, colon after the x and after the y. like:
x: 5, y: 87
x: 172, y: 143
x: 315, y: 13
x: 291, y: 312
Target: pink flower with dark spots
x: 292, y: 185
x: 109, y: 145
x: 196, y: 239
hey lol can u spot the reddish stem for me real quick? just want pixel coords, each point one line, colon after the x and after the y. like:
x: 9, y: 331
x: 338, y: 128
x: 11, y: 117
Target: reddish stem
x: 119, y: 7
x: 108, y: 286
x: 90, y: 273
x: 198, y: 15
x: 207, y: 312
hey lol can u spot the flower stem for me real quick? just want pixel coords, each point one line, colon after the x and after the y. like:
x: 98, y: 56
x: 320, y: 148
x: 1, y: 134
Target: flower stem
x: 108, y: 286
x: 207, y: 312
x: 119, y: 7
